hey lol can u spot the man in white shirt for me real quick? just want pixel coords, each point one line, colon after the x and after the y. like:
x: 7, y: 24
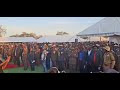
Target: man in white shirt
x: 89, y: 52
x: 43, y: 59
x: 89, y: 59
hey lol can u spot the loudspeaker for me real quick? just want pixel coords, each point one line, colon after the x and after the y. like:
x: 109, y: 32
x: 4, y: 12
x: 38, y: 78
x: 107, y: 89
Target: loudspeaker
x: 76, y: 40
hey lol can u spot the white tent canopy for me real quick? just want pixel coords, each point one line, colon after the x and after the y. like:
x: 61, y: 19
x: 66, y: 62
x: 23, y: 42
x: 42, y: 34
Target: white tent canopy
x: 59, y: 38
x: 97, y: 39
x: 17, y: 39
x: 105, y: 27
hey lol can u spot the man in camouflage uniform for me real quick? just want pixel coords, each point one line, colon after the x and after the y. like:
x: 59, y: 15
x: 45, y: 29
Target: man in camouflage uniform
x: 118, y: 59
x: 109, y: 59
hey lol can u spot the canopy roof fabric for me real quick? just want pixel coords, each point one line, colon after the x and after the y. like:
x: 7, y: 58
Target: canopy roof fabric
x: 106, y: 27
x: 58, y: 38
x: 17, y: 39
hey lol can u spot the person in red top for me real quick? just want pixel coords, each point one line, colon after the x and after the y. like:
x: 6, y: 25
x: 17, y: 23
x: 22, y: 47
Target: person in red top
x: 96, y: 60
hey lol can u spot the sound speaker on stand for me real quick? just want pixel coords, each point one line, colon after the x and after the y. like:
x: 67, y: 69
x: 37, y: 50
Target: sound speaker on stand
x: 76, y: 40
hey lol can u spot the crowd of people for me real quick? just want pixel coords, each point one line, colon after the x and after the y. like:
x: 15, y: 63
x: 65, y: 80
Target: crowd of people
x: 81, y: 57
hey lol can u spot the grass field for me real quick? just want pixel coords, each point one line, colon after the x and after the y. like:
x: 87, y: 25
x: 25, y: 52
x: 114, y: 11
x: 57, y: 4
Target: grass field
x: 38, y: 69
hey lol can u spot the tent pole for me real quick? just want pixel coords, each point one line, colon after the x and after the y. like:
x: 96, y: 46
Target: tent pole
x: 100, y: 38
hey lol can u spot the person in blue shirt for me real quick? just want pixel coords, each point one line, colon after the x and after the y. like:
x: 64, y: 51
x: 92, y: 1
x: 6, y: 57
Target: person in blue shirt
x: 82, y: 60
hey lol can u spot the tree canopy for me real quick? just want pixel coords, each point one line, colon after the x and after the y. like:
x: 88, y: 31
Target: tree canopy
x: 25, y: 34
x: 62, y: 33
x: 2, y: 31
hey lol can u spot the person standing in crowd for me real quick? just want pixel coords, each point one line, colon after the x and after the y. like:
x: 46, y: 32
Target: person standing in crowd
x: 43, y: 59
x: 82, y: 60
x: 1, y: 70
x: 101, y: 54
x: 113, y: 51
x: 31, y: 59
x: 18, y: 55
x: 66, y: 58
x: 54, y: 56
x: 5, y: 52
x: 89, y: 58
x: 48, y: 59
x: 109, y: 59
x: 37, y: 56
x: 96, y: 61
x: 1, y: 50
x: 25, y: 57
x: 118, y: 59
x: 10, y: 51
x: 72, y: 61
x: 15, y: 53
x: 77, y: 52
x: 41, y: 51
x: 61, y: 59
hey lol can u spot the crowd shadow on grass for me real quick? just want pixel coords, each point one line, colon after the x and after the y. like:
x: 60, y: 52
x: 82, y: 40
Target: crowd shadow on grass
x: 38, y: 69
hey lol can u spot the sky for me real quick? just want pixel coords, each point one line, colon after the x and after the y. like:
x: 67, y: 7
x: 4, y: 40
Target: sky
x: 46, y: 25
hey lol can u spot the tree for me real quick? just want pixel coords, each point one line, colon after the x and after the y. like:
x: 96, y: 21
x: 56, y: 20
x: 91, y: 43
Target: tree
x: 25, y: 34
x: 62, y: 33
x: 65, y: 33
x: 2, y: 31
x: 33, y: 35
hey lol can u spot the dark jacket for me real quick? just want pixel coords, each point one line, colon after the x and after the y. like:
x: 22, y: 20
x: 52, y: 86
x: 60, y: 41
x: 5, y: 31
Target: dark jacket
x: 31, y: 57
x: 54, y: 57
x: 48, y: 58
x: 61, y: 57
x: 90, y: 58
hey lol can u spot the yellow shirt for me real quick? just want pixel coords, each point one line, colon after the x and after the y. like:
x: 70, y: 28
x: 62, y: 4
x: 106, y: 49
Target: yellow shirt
x: 108, y: 58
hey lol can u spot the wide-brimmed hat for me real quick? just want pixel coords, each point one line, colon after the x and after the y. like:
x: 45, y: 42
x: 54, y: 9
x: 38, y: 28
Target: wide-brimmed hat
x: 107, y: 48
